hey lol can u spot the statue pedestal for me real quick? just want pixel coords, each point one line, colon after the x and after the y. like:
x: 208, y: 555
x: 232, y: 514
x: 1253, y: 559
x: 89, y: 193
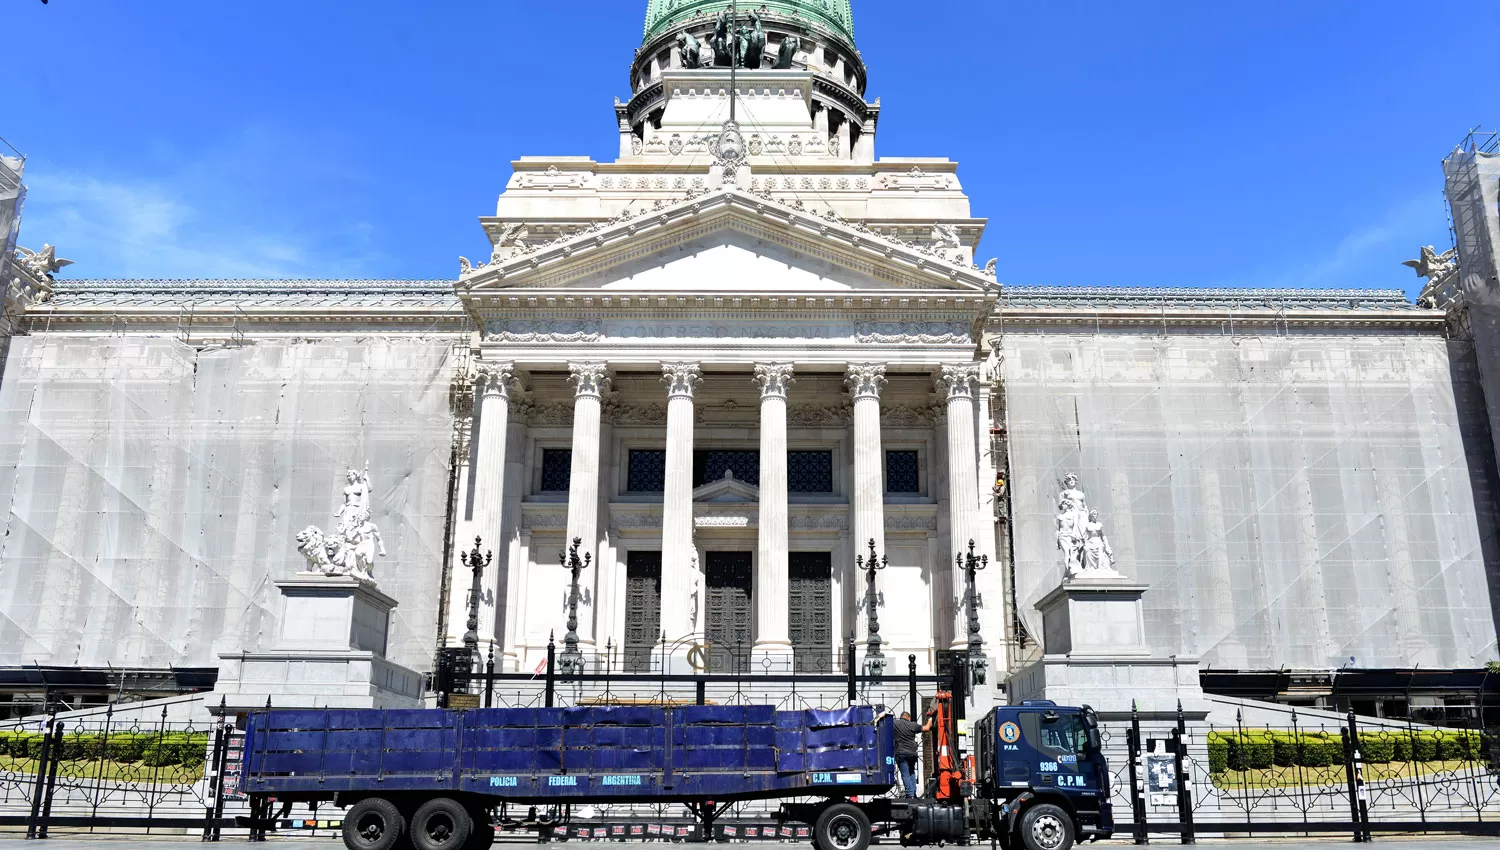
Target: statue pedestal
x: 1094, y: 635
x: 329, y: 653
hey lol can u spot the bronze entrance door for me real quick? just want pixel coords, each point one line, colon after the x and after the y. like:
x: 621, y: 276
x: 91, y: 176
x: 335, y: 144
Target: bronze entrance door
x: 728, y: 616
x: 811, y: 616
x: 642, y: 610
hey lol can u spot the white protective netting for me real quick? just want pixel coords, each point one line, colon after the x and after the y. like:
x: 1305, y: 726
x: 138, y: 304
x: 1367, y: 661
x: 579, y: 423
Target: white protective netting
x: 1291, y: 500
x: 152, y: 490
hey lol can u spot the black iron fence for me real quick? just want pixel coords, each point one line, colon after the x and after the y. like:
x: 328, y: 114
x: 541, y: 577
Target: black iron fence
x: 1300, y: 774
x: 732, y: 676
x: 112, y: 770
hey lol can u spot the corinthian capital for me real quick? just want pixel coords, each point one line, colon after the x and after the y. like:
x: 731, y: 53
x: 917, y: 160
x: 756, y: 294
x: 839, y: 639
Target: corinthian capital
x: 681, y: 379
x: 958, y: 381
x: 496, y: 377
x: 865, y: 379
x: 774, y: 378
x: 590, y: 378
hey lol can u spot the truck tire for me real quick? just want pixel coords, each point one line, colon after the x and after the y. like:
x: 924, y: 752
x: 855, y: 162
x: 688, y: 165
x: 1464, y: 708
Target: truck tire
x: 373, y: 823
x: 1046, y: 827
x: 441, y: 823
x: 842, y: 826
x: 482, y: 836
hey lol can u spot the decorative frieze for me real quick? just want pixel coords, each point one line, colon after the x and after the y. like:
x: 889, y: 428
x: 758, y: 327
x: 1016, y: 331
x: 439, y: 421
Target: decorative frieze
x: 925, y: 416
x: 818, y: 522
x: 557, y: 414
x: 905, y: 333
x: 626, y: 413
x: 544, y: 330
x: 553, y: 178
x: 545, y: 520
x: 911, y: 522
x: 916, y: 180
x: 737, y: 516
x: 818, y: 416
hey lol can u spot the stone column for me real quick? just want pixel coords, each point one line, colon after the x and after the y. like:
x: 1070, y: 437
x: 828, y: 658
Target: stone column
x: 772, y: 584
x: 589, y: 380
x: 489, y: 479
x: 865, y: 381
x: 957, y: 384
x: 679, y: 587
x: 511, y: 557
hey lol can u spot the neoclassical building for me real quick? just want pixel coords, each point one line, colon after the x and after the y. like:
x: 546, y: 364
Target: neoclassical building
x: 727, y: 363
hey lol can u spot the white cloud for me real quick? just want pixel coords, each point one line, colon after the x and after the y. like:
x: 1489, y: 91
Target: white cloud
x: 136, y: 228
x: 1396, y: 230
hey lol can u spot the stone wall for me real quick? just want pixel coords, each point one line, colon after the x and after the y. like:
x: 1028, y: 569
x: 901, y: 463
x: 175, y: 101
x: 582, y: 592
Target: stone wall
x: 1291, y: 500
x: 152, y: 490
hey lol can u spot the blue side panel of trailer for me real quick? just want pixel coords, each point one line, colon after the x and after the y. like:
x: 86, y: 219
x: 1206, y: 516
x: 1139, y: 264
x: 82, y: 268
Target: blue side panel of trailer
x: 600, y: 753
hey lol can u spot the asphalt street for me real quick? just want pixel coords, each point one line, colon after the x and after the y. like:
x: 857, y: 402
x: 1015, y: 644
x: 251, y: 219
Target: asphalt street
x: 63, y: 842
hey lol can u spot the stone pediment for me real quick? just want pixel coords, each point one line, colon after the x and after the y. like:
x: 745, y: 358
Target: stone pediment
x: 727, y: 490
x: 727, y: 240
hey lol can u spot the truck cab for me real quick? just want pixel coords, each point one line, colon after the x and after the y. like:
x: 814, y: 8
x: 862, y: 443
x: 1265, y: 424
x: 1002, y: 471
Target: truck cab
x: 1042, y: 767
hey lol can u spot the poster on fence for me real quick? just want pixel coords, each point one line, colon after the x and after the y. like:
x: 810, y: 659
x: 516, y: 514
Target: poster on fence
x: 1161, y: 780
x: 233, y: 758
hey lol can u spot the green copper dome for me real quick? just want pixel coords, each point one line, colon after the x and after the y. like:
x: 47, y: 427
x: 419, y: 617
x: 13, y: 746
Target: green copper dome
x: 833, y: 14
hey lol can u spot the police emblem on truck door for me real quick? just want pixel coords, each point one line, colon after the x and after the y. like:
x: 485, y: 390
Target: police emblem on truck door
x: 1059, y: 740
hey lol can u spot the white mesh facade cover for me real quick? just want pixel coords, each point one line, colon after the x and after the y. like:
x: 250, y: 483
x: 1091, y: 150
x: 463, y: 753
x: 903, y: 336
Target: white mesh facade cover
x: 152, y: 490
x: 1295, y: 500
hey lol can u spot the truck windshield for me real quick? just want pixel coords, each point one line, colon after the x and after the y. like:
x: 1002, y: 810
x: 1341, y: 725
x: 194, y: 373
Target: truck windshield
x: 1066, y: 733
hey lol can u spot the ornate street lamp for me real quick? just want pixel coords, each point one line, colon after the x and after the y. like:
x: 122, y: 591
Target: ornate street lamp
x: 571, y: 660
x: 874, y: 658
x: 971, y: 564
x: 475, y: 562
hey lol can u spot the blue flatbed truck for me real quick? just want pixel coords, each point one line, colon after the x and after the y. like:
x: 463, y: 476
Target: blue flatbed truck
x: 436, y: 779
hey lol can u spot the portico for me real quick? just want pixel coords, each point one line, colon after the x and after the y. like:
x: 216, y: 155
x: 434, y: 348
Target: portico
x: 724, y: 453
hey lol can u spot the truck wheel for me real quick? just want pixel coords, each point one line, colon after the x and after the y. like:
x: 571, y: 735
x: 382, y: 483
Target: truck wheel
x: 1046, y: 827
x: 843, y: 826
x: 482, y: 836
x: 441, y: 824
x: 373, y: 823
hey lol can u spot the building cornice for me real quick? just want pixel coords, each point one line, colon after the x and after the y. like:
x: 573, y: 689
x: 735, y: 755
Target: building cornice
x: 1220, y: 310
x: 275, y: 306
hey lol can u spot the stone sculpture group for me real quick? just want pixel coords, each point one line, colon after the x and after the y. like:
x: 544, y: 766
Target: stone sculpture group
x: 352, y: 549
x: 1080, y: 536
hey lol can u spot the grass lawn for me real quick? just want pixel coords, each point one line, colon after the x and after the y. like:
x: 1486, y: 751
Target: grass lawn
x: 1289, y: 777
x: 70, y: 771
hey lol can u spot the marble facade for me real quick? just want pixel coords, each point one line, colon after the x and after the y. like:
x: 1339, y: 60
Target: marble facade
x: 1297, y: 477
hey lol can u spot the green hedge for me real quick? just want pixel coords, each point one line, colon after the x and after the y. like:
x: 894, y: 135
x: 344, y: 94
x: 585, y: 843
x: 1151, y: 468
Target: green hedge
x: 1258, y: 749
x: 20, y: 744
x: 150, y: 748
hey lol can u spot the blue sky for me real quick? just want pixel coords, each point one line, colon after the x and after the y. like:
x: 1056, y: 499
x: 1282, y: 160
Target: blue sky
x: 1218, y: 142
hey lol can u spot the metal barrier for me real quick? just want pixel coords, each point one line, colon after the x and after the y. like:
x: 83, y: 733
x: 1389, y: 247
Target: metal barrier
x: 748, y: 679
x: 1299, y: 777
x: 98, y: 772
